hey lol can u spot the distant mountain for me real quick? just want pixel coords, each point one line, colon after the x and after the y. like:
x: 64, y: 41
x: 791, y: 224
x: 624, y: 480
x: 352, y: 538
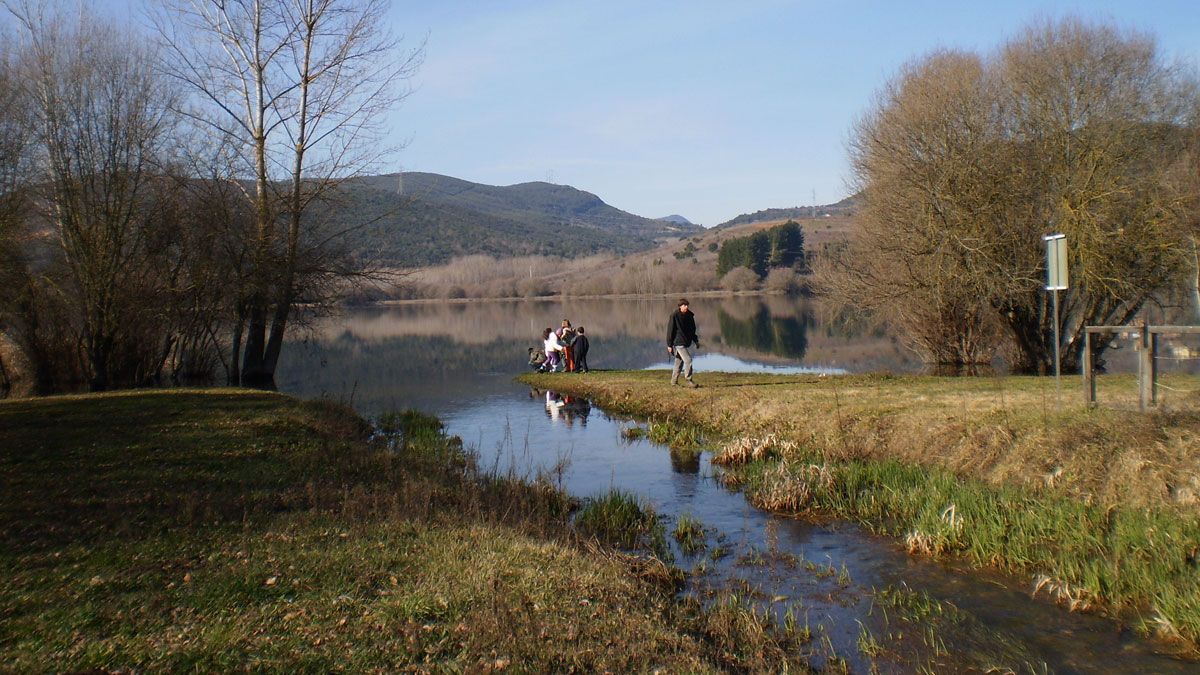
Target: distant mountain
x: 845, y: 207
x: 677, y: 219
x: 414, y: 219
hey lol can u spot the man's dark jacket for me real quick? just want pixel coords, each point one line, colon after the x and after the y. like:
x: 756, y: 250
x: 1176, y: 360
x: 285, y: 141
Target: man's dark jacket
x: 681, y: 329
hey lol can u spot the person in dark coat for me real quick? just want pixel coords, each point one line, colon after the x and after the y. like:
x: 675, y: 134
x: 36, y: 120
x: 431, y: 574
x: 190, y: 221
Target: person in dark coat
x: 580, y: 347
x: 681, y: 336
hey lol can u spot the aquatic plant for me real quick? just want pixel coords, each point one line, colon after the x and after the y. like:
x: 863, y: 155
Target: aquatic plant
x: 676, y: 436
x: 633, y: 433
x: 619, y: 518
x: 689, y: 532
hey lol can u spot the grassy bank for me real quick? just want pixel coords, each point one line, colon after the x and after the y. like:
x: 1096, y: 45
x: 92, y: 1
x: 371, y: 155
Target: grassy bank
x: 1098, y: 507
x: 228, y: 530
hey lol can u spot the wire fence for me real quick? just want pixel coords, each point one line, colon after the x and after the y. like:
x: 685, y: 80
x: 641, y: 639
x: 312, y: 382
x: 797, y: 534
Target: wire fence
x: 1165, y: 361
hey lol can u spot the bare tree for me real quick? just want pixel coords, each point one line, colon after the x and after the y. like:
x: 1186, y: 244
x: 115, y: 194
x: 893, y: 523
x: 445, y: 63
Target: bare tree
x: 966, y: 162
x: 298, y: 87
x: 100, y: 122
x: 921, y: 159
x: 1099, y: 119
x: 14, y: 141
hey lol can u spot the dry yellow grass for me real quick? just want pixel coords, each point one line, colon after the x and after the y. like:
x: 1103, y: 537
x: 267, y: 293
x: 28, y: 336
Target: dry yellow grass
x: 1010, y: 430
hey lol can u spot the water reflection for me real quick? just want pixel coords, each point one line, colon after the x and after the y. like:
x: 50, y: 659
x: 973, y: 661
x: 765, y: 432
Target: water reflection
x: 785, y: 336
x: 438, y: 355
x: 565, y: 408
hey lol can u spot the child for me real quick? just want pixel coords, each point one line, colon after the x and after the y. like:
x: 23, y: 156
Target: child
x: 580, y: 347
x: 537, y: 359
x: 553, y: 348
x: 566, y: 337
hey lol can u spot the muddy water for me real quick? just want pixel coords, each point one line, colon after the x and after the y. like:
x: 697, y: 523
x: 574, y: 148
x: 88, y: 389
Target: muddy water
x: 865, y: 602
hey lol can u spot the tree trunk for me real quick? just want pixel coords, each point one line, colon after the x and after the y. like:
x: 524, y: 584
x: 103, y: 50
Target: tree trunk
x: 5, y: 380
x: 275, y: 340
x: 1195, y: 279
x: 233, y: 375
x: 254, y: 371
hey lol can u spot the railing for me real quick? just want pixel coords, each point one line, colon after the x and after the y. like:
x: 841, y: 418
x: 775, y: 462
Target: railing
x: 1147, y: 345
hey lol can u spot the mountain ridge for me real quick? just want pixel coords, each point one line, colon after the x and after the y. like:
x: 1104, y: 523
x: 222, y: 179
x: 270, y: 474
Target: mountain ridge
x: 412, y: 219
x: 844, y: 207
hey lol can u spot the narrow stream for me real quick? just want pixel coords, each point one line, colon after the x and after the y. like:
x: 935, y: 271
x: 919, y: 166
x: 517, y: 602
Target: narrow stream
x: 827, y: 574
x: 865, y: 601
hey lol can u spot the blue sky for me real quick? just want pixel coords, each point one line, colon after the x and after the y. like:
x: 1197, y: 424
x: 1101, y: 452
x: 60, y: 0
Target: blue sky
x: 706, y: 109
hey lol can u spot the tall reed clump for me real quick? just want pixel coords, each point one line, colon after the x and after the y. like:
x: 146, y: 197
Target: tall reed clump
x: 620, y: 519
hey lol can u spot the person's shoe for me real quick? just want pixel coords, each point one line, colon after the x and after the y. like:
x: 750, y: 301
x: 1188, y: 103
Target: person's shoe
x: 674, y: 383
x: 693, y: 385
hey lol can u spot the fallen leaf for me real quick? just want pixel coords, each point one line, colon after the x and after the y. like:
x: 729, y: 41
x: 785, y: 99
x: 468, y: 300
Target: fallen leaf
x: 271, y: 581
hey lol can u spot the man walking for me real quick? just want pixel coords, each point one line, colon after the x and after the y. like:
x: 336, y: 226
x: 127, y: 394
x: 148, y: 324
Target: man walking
x: 681, y: 335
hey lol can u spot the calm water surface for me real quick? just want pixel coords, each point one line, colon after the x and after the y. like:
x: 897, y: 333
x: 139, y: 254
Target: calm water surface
x: 458, y: 361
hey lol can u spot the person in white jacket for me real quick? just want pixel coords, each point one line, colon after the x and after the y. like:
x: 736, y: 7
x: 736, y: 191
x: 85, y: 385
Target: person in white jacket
x: 553, y: 350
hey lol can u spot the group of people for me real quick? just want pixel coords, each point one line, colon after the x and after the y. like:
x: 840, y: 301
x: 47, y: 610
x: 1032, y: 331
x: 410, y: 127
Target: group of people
x: 564, y: 350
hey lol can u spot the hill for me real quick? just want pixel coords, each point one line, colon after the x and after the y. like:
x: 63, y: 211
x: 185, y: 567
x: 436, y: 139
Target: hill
x: 845, y: 207
x: 414, y: 219
x: 676, y: 218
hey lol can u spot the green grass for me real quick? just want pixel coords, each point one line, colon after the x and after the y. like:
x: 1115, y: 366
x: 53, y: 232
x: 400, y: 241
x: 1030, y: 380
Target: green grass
x: 676, y: 436
x: 227, y: 530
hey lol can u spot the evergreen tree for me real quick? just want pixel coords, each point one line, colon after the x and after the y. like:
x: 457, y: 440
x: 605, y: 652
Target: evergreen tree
x: 787, y: 244
x: 760, y: 253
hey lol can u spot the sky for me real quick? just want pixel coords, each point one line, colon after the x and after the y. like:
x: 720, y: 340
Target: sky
x: 703, y: 109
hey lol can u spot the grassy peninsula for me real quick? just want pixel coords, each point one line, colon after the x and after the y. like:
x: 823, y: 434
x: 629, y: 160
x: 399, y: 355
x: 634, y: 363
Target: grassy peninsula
x: 225, y: 530
x: 1099, y: 507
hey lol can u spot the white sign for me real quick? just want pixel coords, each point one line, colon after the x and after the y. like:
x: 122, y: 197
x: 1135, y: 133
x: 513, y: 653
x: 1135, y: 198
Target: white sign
x: 1056, y: 262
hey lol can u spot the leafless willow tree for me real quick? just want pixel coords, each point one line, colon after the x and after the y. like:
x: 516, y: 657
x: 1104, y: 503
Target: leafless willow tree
x: 299, y: 89
x: 100, y: 124
x: 14, y: 185
x: 966, y: 162
x: 922, y: 157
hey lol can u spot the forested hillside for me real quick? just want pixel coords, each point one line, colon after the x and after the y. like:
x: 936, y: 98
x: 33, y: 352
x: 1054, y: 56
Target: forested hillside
x: 415, y: 219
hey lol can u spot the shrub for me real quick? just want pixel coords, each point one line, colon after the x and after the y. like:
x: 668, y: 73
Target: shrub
x: 740, y: 279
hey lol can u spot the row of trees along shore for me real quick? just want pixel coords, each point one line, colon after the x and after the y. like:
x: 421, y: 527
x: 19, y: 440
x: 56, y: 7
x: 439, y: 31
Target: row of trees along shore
x: 166, y: 198
x: 965, y: 161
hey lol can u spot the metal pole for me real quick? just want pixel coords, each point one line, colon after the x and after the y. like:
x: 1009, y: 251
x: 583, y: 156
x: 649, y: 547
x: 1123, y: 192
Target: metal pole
x: 1057, y: 359
x: 1089, y: 371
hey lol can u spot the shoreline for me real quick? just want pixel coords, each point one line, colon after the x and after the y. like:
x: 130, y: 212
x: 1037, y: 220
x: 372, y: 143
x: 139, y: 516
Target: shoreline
x: 1098, y: 508
x: 565, y: 298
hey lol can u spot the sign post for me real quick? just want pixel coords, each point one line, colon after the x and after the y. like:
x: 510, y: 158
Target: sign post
x: 1056, y: 280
